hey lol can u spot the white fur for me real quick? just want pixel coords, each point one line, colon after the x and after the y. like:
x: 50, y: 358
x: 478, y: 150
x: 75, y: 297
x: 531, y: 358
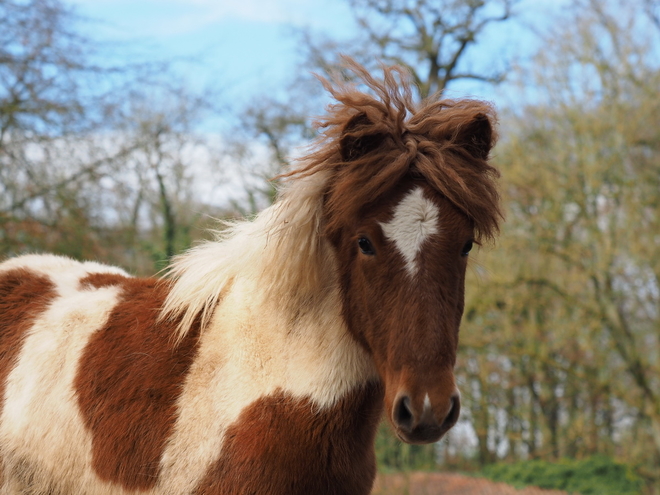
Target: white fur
x: 241, y: 360
x: 280, y: 250
x: 42, y: 434
x: 415, y: 220
x: 59, y: 268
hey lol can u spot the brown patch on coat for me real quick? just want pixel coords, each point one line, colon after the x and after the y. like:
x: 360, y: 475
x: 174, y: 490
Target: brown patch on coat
x: 24, y: 296
x: 129, y: 379
x: 100, y: 280
x: 286, y: 446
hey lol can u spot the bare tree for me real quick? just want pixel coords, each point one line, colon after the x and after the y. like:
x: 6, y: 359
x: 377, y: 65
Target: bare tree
x: 435, y: 37
x: 652, y: 8
x: 40, y: 57
x: 432, y: 39
x: 96, y: 160
x: 165, y: 166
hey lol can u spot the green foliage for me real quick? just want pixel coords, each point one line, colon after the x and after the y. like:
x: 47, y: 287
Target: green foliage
x: 394, y: 455
x: 597, y: 475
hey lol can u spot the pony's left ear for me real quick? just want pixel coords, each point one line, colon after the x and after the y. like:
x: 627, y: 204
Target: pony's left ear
x: 476, y: 136
x: 356, y: 140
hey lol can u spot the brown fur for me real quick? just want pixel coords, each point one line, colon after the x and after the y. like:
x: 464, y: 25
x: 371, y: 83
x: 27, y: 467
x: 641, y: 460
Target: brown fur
x: 23, y: 296
x: 128, y: 381
x: 284, y: 445
x: 410, y: 327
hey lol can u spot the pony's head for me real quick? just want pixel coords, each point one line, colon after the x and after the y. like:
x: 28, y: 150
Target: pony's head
x: 409, y: 193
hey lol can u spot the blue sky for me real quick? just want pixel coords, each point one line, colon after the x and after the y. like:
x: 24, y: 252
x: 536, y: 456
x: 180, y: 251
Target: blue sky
x: 246, y: 46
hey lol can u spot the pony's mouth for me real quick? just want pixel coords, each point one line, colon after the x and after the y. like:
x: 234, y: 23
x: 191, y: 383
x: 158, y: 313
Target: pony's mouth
x: 422, y: 434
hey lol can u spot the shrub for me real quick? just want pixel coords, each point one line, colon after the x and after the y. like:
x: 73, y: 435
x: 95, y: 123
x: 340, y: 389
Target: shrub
x: 597, y: 475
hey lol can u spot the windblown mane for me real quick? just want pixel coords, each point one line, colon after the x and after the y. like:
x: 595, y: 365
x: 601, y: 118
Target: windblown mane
x: 439, y: 141
x: 280, y: 250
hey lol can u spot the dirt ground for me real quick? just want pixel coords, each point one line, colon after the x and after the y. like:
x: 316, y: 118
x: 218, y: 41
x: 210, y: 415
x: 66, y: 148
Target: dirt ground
x: 447, y: 484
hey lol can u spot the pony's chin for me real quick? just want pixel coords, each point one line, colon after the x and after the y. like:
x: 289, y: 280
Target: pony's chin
x: 420, y: 435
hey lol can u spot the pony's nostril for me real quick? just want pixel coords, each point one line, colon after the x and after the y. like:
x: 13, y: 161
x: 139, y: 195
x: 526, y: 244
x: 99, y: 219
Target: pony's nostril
x: 454, y: 412
x: 403, y: 416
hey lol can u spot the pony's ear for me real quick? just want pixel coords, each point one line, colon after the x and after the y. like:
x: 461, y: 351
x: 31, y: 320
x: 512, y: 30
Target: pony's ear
x: 476, y: 136
x: 355, y: 141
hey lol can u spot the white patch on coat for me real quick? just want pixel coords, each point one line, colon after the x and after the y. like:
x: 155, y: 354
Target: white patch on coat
x: 59, y: 268
x: 43, y: 437
x: 415, y: 220
x: 280, y: 249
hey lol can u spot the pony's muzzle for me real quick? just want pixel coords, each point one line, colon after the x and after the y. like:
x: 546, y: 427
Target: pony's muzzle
x: 421, y: 424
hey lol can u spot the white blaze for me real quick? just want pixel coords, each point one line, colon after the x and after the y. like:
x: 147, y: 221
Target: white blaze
x: 415, y: 220
x: 427, y: 403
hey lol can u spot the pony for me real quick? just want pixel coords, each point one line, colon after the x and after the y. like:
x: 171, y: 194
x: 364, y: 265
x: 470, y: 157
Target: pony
x: 263, y: 362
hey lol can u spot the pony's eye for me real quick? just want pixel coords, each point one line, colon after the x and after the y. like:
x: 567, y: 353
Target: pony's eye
x: 467, y: 248
x: 365, y: 246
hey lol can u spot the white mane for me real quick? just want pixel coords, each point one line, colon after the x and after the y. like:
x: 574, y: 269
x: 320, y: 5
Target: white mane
x: 280, y: 249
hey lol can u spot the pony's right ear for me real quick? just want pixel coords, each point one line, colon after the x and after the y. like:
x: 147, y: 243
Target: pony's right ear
x: 356, y: 141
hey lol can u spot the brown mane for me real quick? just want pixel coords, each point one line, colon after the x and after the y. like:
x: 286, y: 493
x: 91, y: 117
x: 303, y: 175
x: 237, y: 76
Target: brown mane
x: 444, y: 142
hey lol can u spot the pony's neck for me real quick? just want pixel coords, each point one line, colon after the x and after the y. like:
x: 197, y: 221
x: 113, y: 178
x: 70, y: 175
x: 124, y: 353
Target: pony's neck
x: 274, y: 331
x: 269, y: 288
x: 303, y: 351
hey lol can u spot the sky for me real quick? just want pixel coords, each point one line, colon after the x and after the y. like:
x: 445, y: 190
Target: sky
x: 246, y: 47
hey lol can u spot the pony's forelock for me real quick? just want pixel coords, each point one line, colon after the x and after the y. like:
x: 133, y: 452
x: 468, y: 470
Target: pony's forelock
x: 429, y: 140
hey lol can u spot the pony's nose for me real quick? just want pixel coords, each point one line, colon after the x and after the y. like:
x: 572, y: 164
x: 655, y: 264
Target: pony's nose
x: 420, y: 425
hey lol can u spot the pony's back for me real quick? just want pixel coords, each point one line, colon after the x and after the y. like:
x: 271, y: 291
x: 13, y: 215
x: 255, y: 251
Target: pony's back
x: 88, y: 377
x: 102, y: 396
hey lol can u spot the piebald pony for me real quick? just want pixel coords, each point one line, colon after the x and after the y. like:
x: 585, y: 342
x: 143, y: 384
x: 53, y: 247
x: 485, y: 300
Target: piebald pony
x: 263, y: 363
